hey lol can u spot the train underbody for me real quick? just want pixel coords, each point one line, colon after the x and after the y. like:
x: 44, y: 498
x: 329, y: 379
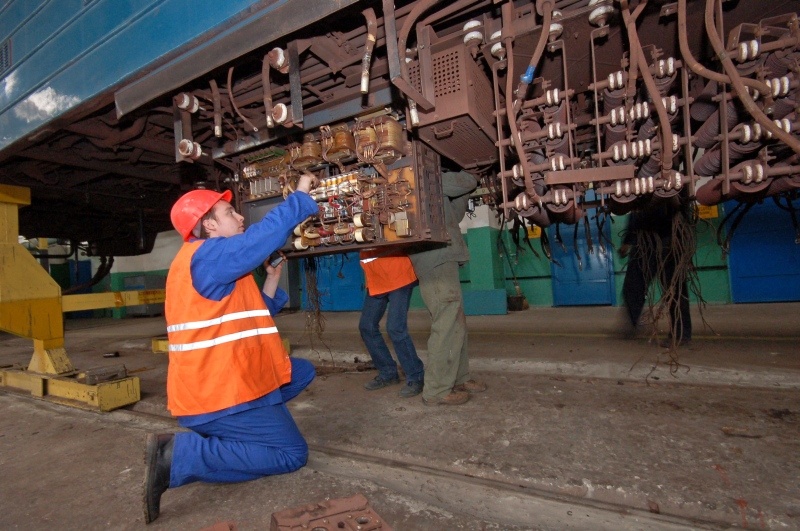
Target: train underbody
x: 563, y: 109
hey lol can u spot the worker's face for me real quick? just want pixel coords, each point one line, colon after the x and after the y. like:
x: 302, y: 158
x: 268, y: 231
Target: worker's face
x: 226, y: 221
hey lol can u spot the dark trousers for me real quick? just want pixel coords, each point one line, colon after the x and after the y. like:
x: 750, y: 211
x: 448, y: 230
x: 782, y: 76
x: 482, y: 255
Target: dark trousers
x: 642, y: 268
x: 374, y: 308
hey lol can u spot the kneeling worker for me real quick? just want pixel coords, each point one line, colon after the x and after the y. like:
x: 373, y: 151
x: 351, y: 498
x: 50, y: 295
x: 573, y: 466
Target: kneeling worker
x: 229, y: 375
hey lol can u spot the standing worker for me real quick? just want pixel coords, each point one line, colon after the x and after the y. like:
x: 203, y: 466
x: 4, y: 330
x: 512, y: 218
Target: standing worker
x: 655, y: 253
x: 229, y: 375
x: 390, y: 281
x: 447, y: 380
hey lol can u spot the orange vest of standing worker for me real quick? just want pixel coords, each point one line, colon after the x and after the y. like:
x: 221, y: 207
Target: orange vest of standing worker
x: 386, y: 273
x: 221, y: 353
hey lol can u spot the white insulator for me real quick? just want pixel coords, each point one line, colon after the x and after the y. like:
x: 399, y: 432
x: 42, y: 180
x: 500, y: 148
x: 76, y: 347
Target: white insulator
x: 759, y: 170
x: 599, y: 16
x: 615, y: 80
x: 618, y: 116
x: 670, y: 66
x: 627, y: 188
x: 187, y: 102
x: 472, y: 25
x: 651, y: 184
x: 754, y: 49
x: 281, y: 62
x: 498, y: 50
x: 671, y: 104
x: 648, y: 147
x: 615, y: 152
x: 661, y: 68
x: 556, y: 29
x: 748, y: 174
x: 299, y: 245
x: 618, y: 188
x: 678, y: 181
x: 554, y: 130
x: 552, y: 97
x: 785, y: 86
x: 786, y: 125
x: 473, y: 34
x: 280, y: 112
x: 757, y: 131
x: 521, y: 202
x: 637, y: 187
x: 412, y: 107
x: 516, y: 171
x: 190, y: 149
x: 675, y: 142
x: 747, y: 134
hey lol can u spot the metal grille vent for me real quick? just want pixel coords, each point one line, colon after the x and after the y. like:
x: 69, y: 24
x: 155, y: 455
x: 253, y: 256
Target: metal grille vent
x: 5, y: 56
x: 446, y: 73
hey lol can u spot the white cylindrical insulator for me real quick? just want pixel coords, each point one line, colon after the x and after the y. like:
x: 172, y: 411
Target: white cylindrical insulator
x: 748, y: 174
x: 747, y: 134
x: 671, y: 104
x: 190, y: 149
x: 675, y: 142
x: 615, y: 155
x: 552, y: 97
x: 516, y: 171
x: 187, y: 102
x: 637, y: 187
x: 759, y: 171
x: 651, y: 184
x: 279, y: 60
x: 615, y: 80
x: 618, y: 188
x: 627, y: 187
x: 299, y: 245
x: 414, y: 114
x: 678, y: 181
x: 280, y: 113
x: 358, y: 220
x: 599, y: 16
x: 521, y: 202
x: 473, y: 38
x: 498, y: 50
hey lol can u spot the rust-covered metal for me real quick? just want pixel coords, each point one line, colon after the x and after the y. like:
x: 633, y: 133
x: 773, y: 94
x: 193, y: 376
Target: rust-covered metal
x: 544, y: 100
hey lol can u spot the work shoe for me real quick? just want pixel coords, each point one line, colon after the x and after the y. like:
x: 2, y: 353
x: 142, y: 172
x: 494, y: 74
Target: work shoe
x: 411, y: 389
x: 471, y: 386
x: 157, y: 462
x: 453, y: 399
x: 380, y: 383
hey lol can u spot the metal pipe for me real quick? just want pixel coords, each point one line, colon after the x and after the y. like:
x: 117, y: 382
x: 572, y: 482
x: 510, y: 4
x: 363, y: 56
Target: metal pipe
x: 372, y: 29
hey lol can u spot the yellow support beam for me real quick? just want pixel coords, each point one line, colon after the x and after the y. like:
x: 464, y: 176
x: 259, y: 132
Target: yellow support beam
x: 31, y: 306
x: 111, y: 299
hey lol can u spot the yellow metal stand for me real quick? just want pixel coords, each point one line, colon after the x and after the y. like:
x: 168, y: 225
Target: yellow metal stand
x: 31, y: 306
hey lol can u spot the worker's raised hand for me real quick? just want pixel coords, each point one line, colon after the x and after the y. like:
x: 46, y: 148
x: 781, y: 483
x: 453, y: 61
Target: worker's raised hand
x: 306, y: 182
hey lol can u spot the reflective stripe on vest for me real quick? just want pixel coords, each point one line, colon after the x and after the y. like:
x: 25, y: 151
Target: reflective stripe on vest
x: 183, y: 347
x: 219, y: 320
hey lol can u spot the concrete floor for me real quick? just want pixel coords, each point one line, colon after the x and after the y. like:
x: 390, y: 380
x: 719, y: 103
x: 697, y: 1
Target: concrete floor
x: 579, y: 430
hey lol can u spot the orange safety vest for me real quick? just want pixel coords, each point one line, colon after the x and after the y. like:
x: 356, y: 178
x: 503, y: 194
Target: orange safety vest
x: 386, y: 273
x: 221, y: 353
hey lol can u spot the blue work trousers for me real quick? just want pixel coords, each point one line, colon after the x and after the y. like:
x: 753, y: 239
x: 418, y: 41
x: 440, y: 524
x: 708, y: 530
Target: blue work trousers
x: 397, y: 327
x: 257, y: 442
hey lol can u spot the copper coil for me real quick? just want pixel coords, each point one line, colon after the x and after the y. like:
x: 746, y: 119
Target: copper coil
x: 307, y: 154
x: 391, y: 144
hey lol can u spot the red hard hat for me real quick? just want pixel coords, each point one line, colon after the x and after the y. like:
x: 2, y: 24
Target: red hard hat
x: 192, y: 206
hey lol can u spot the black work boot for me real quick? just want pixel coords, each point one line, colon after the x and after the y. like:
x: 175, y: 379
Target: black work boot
x: 157, y: 463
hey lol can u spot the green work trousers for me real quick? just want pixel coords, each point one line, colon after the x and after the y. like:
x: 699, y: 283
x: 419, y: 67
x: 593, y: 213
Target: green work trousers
x: 448, y: 363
